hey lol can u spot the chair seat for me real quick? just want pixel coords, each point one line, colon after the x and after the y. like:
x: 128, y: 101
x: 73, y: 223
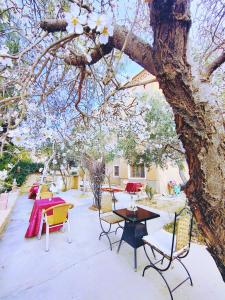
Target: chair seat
x: 111, y: 219
x: 162, y: 241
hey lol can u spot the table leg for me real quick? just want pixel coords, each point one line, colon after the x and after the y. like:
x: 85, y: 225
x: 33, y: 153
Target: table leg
x: 114, y: 200
x: 135, y: 259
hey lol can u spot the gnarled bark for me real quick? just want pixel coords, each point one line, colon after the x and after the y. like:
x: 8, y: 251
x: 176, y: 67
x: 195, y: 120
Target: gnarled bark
x: 198, y: 124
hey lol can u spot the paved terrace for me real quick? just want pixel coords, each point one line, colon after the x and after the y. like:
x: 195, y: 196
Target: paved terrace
x: 87, y: 269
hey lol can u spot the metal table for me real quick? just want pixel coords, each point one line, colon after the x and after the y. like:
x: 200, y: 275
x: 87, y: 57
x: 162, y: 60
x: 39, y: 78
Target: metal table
x: 135, y: 227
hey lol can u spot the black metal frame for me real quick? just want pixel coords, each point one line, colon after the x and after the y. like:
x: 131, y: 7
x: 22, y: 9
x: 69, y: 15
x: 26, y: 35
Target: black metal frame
x: 131, y: 239
x: 171, y: 258
x: 107, y: 232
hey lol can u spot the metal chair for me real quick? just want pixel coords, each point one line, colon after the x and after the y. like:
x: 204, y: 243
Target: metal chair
x: 172, y: 247
x: 60, y: 215
x: 106, y: 216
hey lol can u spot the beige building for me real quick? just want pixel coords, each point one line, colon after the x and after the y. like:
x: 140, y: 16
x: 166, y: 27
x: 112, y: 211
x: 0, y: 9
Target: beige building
x: 120, y: 172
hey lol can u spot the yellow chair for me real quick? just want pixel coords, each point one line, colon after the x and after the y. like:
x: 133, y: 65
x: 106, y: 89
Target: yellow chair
x: 60, y: 215
x: 44, y: 188
x: 44, y: 192
x: 46, y: 195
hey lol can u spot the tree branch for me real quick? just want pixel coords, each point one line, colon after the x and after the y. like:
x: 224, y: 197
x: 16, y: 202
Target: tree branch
x: 214, y: 65
x: 135, y: 48
x: 53, y: 25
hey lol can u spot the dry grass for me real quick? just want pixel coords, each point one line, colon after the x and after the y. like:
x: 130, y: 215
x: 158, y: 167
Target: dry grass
x: 169, y: 206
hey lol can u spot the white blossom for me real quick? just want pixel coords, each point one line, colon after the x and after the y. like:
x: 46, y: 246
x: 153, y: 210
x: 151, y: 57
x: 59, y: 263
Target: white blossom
x: 3, y: 174
x: 5, y: 61
x: 97, y: 21
x: 102, y: 24
x: 75, y: 21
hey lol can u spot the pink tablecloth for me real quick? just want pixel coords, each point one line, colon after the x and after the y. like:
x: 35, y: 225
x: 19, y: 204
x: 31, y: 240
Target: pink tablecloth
x: 33, y: 191
x: 133, y: 187
x: 35, y: 217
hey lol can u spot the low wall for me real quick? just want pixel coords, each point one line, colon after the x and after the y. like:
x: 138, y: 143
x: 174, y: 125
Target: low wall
x: 5, y: 213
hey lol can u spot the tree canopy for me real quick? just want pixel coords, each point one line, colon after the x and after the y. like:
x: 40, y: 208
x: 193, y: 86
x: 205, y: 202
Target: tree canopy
x: 62, y: 61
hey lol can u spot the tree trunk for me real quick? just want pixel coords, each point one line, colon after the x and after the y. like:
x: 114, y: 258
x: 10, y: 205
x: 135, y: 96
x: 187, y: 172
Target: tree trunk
x: 182, y: 173
x: 198, y: 123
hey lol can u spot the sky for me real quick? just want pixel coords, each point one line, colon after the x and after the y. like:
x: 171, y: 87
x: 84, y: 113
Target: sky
x: 132, y: 69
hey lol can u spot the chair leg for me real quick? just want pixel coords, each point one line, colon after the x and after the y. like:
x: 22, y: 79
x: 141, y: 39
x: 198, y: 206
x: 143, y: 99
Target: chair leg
x: 40, y: 228
x: 47, y: 238
x: 119, y: 227
x: 189, y: 276
x: 110, y: 243
x: 63, y: 228
x: 118, y: 250
x: 160, y: 273
x: 69, y: 233
x: 153, y: 252
x: 106, y: 233
x: 168, y: 287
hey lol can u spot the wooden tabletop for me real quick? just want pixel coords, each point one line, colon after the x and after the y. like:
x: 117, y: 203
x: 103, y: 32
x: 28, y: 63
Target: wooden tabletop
x: 139, y: 216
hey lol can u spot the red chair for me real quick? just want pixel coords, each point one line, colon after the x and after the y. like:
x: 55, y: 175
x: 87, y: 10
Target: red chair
x: 33, y: 191
x: 133, y: 187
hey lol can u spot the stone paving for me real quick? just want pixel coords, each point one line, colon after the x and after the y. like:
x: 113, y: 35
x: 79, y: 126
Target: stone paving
x: 87, y: 269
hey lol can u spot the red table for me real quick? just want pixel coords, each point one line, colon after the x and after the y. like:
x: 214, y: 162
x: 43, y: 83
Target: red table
x: 133, y: 187
x: 35, y: 217
x: 33, y: 191
x: 111, y: 190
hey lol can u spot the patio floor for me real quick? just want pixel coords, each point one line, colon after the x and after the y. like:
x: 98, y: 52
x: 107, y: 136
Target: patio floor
x: 87, y: 269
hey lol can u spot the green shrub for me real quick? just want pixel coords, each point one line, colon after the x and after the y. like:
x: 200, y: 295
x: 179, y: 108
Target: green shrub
x: 23, y: 169
x: 23, y: 166
x: 149, y: 191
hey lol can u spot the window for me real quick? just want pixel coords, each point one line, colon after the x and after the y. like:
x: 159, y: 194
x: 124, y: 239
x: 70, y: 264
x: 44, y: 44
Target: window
x: 137, y: 171
x: 116, y: 171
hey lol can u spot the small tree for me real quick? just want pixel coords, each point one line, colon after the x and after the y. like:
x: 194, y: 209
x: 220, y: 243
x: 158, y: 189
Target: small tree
x: 155, y: 140
x: 96, y: 169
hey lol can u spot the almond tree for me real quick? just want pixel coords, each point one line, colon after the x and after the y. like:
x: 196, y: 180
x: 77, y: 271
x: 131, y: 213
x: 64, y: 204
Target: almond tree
x: 188, y: 90
x: 199, y: 123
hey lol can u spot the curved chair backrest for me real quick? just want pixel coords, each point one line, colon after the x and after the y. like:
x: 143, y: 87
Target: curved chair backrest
x: 183, y: 232
x: 46, y: 195
x: 106, y: 203
x: 59, y: 213
x: 183, y: 229
x: 44, y: 188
